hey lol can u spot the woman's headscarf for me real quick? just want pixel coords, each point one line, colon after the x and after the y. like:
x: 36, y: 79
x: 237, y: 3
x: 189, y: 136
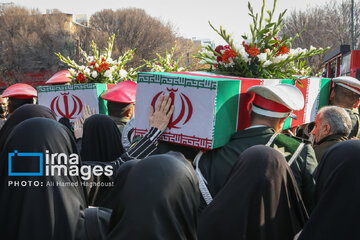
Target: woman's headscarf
x: 101, y: 140
x: 24, y: 112
x: 336, y: 214
x: 40, y: 209
x: 259, y: 201
x: 160, y: 200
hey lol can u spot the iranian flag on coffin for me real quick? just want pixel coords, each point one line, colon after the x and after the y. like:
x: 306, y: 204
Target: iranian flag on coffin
x: 68, y: 100
x: 209, y: 108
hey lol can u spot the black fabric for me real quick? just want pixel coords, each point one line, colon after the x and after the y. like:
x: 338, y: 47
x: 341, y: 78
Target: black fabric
x: 21, y: 114
x: 336, y: 215
x: 101, y: 140
x: 66, y: 122
x: 43, y: 212
x: 106, y: 194
x: 260, y: 200
x: 159, y: 200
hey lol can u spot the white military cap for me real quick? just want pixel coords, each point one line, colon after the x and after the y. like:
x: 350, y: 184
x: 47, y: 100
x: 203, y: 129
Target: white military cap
x: 277, y: 101
x: 348, y: 82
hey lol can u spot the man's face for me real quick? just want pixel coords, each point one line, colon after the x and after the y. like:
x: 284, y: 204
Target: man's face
x: 3, y: 104
x: 321, y: 130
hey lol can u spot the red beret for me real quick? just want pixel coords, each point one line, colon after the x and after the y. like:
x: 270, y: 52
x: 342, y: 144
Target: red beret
x: 59, y: 78
x: 20, y: 90
x: 124, y: 92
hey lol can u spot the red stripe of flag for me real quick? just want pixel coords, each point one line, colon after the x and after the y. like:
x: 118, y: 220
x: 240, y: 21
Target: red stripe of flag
x: 301, y: 114
x: 244, y: 102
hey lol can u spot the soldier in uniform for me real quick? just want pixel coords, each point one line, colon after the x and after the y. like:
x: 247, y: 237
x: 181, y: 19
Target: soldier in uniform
x: 18, y: 95
x: 120, y: 102
x: 272, y: 105
x: 346, y: 94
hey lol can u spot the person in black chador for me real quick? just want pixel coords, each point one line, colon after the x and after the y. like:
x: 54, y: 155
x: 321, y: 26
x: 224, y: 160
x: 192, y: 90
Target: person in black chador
x: 337, y: 211
x: 21, y: 114
x: 101, y: 140
x: 259, y: 201
x: 159, y: 200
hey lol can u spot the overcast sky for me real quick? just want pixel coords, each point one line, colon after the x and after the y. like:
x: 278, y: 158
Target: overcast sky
x: 190, y: 17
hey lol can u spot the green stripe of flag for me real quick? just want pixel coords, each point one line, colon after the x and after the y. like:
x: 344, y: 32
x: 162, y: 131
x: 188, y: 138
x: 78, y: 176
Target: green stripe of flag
x: 227, y: 101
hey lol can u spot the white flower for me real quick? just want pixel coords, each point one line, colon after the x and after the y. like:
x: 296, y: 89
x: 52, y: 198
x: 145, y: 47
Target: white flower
x: 123, y: 73
x: 96, y: 65
x: 280, y: 58
x: 87, y: 71
x: 72, y: 71
x: 82, y: 68
x: 109, y: 60
x: 262, y: 57
x: 94, y: 74
x: 267, y: 63
x: 312, y: 48
x: 108, y: 74
x: 180, y: 69
x: 90, y: 59
x: 158, y: 68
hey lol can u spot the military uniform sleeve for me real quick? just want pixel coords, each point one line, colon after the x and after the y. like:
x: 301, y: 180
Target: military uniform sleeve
x: 308, y: 182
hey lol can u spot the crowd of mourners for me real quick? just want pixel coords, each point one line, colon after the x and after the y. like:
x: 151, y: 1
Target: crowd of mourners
x: 266, y: 183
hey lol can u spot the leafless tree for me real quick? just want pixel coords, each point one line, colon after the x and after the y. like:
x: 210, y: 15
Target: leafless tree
x: 328, y: 25
x: 136, y: 29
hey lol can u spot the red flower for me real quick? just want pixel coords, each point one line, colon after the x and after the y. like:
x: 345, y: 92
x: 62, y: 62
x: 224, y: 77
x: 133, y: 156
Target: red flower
x: 246, y: 46
x: 253, y: 52
x: 229, y: 53
x: 219, y: 48
x: 105, y: 66
x: 282, y: 50
x: 219, y: 59
x: 227, y: 47
x: 99, y: 69
x: 81, y: 77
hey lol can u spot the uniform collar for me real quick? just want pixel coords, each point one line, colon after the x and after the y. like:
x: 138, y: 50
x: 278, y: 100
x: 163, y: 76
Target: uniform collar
x: 253, y: 132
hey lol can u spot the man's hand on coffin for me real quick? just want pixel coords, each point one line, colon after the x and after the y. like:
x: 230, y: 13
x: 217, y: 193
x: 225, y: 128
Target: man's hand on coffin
x: 160, y: 116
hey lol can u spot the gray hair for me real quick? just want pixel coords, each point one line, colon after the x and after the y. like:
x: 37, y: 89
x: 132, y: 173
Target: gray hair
x: 337, y: 118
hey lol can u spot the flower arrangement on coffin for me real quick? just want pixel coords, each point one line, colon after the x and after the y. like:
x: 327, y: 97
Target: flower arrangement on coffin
x: 100, y: 67
x: 167, y: 63
x: 261, y: 55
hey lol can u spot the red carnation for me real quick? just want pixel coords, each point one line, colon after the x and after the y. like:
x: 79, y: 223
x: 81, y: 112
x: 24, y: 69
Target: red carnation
x: 81, y: 77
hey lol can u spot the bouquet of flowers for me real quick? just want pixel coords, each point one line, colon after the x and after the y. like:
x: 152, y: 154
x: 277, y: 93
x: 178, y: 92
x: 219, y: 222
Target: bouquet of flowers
x: 262, y: 54
x: 165, y: 64
x: 100, y: 67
